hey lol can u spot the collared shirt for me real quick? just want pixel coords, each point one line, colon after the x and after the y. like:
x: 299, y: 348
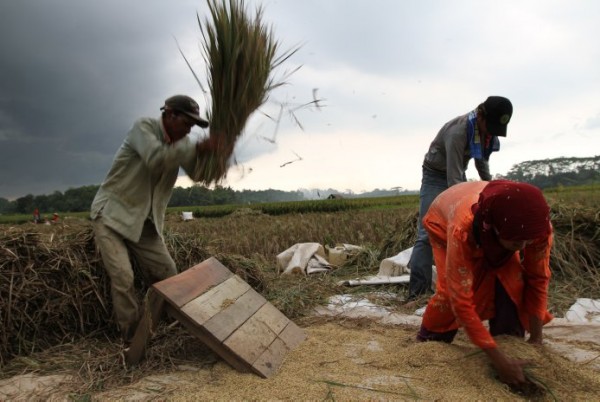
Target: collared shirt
x: 449, y: 153
x: 140, y: 181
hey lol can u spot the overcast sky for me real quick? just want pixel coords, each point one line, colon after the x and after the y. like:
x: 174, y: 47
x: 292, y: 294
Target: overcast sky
x: 75, y: 74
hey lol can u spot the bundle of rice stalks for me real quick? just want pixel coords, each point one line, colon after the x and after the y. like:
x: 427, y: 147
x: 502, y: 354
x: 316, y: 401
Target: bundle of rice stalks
x: 240, y: 54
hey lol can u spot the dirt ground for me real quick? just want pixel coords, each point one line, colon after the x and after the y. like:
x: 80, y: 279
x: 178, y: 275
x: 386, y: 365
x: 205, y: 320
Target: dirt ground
x: 373, y: 357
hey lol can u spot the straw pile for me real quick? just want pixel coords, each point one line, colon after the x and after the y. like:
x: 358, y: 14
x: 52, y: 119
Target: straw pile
x: 54, y: 289
x: 575, y: 257
x: 402, y: 238
x: 576, y: 240
x: 240, y: 53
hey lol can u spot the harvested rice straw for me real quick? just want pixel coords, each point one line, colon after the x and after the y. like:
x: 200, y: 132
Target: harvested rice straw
x: 240, y: 54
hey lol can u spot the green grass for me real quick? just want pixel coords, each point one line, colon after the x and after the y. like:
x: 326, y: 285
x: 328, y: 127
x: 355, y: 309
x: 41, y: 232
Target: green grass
x: 588, y: 196
x: 17, y: 219
x: 302, y: 207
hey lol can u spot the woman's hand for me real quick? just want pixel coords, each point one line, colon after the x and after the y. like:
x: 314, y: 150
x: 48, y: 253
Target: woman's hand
x: 509, y: 370
x: 535, y: 328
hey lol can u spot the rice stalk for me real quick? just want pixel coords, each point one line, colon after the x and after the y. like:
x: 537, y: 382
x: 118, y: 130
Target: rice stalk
x: 241, y: 54
x: 339, y: 384
x: 537, y: 381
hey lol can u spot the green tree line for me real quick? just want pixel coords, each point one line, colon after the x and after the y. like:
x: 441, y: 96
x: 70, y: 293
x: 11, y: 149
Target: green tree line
x: 80, y: 199
x: 547, y: 173
x: 557, y: 172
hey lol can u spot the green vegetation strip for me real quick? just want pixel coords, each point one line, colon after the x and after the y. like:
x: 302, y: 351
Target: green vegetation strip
x: 302, y: 207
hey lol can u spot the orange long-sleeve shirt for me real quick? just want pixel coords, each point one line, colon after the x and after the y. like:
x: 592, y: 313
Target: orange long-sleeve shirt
x: 465, y: 289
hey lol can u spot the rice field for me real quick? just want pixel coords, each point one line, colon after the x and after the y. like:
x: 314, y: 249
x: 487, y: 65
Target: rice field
x: 54, y: 292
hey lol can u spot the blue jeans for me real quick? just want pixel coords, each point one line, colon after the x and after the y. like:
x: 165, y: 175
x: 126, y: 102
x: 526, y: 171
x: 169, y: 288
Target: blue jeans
x: 421, y: 259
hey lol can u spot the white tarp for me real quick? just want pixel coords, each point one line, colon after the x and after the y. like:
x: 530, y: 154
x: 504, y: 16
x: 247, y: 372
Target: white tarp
x: 584, y: 311
x: 308, y: 258
x: 391, y: 270
x: 376, y: 280
x: 396, y: 265
x: 303, y: 258
x: 339, y: 254
x: 354, y: 306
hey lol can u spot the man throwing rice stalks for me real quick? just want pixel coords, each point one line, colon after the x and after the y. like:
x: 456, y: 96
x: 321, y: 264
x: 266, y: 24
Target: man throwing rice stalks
x: 129, y: 208
x: 491, y: 245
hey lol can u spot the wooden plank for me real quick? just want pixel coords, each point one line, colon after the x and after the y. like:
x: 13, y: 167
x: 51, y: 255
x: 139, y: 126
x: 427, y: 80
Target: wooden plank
x: 223, y: 324
x: 251, y: 339
x: 150, y: 316
x: 292, y: 335
x: 273, y: 318
x: 226, y: 314
x: 189, y: 284
x: 269, y: 362
x: 206, y: 337
x: 205, y: 306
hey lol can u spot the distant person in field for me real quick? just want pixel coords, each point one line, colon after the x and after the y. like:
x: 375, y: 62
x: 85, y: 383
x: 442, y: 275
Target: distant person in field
x: 129, y: 208
x: 470, y: 136
x: 36, y: 216
x: 491, y: 244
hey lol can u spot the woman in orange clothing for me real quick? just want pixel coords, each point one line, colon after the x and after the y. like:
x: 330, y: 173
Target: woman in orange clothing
x: 491, y: 245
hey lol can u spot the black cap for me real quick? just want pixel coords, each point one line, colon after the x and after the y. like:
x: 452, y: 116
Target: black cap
x: 498, y: 111
x: 186, y: 105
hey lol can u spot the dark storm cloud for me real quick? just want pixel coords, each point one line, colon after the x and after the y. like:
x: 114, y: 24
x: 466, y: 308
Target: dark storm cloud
x: 75, y: 74
x: 374, y: 34
x: 73, y: 77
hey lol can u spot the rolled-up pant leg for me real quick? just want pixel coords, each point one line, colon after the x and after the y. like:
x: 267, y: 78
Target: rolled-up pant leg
x: 115, y: 257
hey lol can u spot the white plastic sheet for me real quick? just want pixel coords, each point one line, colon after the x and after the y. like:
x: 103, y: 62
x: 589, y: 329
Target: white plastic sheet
x: 391, y: 270
x: 396, y: 265
x: 303, y: 258
x: 584, y: 311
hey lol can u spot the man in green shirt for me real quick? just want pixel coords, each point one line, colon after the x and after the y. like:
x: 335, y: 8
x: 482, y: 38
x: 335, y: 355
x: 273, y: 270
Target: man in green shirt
x: 129, y: 209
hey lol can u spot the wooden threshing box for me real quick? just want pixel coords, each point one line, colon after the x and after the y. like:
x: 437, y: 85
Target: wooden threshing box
x: 225, y: 313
